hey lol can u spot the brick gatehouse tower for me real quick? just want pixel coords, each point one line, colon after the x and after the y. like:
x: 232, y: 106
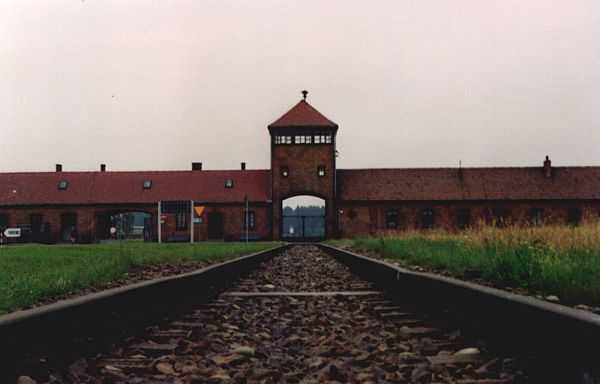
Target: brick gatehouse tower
x: 303, y: 161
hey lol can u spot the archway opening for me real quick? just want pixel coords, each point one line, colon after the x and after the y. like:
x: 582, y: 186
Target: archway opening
x: 303, y: 218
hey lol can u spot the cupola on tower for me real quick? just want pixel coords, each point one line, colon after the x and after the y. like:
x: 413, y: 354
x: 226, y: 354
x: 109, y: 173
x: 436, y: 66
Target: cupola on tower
x: 303, y: 160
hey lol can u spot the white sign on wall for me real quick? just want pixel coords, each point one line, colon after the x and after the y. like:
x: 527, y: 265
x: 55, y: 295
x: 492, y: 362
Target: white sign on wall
x: 12, y: 232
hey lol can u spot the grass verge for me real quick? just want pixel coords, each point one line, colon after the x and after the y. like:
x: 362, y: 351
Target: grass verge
x: 562, y: 261
x: 29, y: 273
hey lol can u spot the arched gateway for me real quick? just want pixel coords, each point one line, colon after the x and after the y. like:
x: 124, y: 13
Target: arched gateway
x: 303, y: 162
x: 303, y: 218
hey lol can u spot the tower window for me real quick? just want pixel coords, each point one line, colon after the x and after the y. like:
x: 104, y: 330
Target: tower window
x: 323, y: 138
x: 283, y: 139
x: 302, y: 139
x: 285, y: 172
x: 229, y: 183
x: 321, y: 170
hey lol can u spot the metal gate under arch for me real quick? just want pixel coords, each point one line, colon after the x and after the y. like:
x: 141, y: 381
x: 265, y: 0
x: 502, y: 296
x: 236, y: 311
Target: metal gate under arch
x: 303, y: 223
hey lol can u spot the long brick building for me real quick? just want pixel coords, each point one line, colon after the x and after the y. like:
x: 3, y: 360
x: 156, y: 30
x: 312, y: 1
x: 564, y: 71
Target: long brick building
x: 234, y: 204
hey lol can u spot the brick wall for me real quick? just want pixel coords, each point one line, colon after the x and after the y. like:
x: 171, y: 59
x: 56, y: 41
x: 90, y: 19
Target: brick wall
x: 233, y: 220
x: 91, y: 227
x: 364, y: 218
x: 87, y: 222
x: 302, y: 162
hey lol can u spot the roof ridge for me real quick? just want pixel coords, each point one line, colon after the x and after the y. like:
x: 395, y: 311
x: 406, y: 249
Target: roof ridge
x: 303, y: 114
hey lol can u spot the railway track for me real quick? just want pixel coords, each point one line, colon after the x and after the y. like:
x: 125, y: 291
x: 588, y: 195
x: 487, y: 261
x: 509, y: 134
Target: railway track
x: 302, y: 316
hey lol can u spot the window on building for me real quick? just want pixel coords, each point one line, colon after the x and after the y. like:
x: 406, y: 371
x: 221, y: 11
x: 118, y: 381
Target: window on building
x: 285, y: 172
x: 283, y: 139
x: 181, y: 221
x: 322, y: 138
x: 249, y: 221
x: 536, y: 216
x: 147, y: 184
x: 501, y: 216
x: 229, y: 183
x: 427, y: 218
x: 463, y: 218
x: 302, y: 139
x: 391, y: 218
x: 573, y: 216
x: 63, y: 184
x: 321, y: 170
x: 3, y: 220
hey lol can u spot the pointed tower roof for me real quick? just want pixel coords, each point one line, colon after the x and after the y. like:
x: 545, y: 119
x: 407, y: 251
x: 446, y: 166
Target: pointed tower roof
x: 303, y: 115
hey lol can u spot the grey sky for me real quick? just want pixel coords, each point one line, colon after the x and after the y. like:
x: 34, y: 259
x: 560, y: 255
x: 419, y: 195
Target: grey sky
x: 145, y: 85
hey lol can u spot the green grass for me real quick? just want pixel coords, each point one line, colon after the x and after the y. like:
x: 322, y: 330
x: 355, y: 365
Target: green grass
x: 534, y: 260
x: 30, y: 273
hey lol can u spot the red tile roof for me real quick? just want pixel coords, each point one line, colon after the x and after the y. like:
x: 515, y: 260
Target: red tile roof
x: 37, y: 188
x: 303, y: 115
x: 475, y: 184
x: 426, y: 184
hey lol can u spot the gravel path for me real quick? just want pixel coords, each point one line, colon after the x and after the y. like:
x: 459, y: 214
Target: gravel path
x: 257, y: 332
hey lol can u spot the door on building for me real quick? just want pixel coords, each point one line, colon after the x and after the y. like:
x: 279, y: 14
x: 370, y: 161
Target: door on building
x: 303, y: 218
x: 37, y: 227
x: 215, y: 226
x: 68, y: 227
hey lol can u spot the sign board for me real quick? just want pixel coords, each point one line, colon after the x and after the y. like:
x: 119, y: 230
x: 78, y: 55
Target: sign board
x: 12, y: 232
x: 197, y: 220
x: 199, y: 210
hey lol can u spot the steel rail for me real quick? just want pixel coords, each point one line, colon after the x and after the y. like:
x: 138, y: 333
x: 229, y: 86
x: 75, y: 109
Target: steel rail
x: 562, y: 335
x: 114, y: 312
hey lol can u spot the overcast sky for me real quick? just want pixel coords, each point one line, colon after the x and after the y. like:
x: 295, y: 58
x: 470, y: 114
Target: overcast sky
x: 144, y: 85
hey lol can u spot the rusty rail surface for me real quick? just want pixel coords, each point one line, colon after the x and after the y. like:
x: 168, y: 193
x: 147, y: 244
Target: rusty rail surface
x: 115, y: 312
x: 559, y: 333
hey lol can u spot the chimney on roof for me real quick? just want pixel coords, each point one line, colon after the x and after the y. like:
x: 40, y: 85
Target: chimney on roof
x: 304, y: 94
x: 196, y: 166
x: 58, y: 167
x: 547, y: 167
x: 102, y: 167
x: 243, y: 166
